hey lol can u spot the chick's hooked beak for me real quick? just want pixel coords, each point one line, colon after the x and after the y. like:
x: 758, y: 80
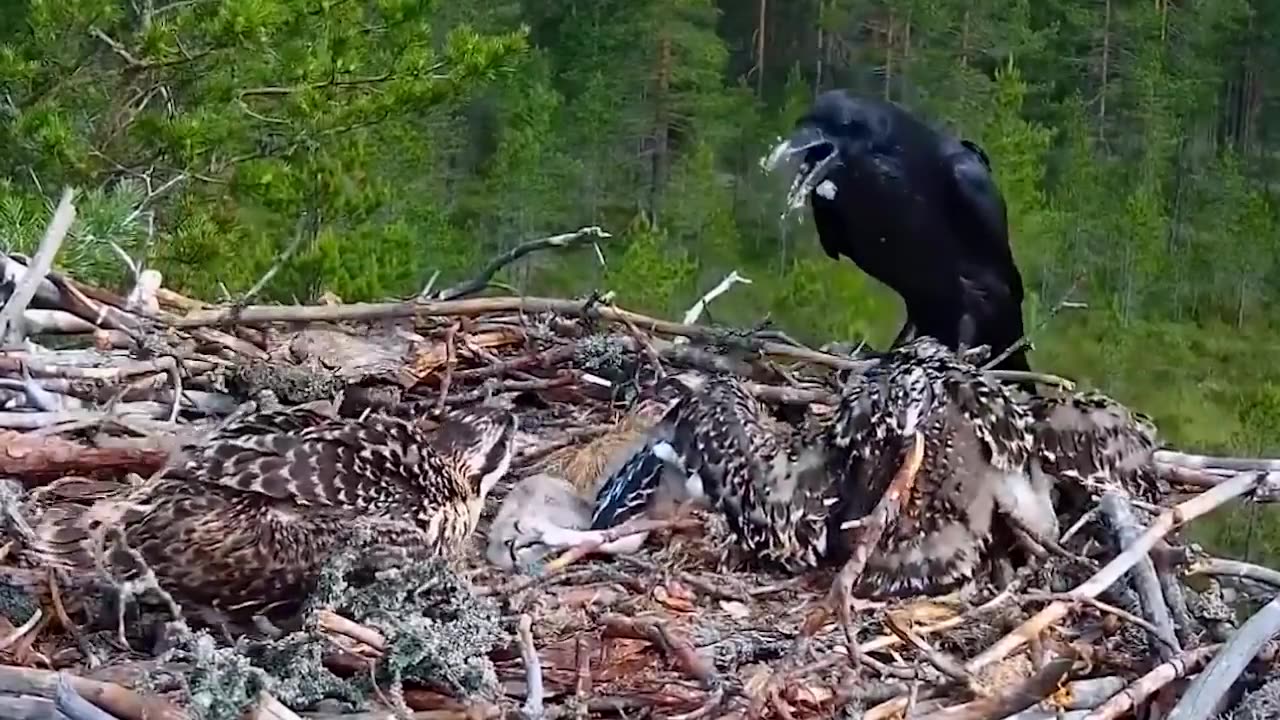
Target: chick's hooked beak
x: 813, y: 168
x: 483, y: 439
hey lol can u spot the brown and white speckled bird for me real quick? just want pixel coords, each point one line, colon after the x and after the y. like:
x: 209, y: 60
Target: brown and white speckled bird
x: 1091, y: 440
x: 249, y: 519
x: 717, y: 444
x: 788, y: 494
x: 976, y: 467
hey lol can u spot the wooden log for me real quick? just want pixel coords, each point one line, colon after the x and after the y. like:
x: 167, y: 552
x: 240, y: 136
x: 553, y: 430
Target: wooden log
x: 43, y: 458
x: 115, y: 699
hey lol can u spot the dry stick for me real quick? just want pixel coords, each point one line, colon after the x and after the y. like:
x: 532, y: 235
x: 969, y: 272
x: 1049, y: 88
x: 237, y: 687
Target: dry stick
x: 1114, y: 570
x: 1106, y: 608
x: 1236, y: 569
x: 1104, y: 578
x: 582, y: 684
x: 115, y: 699
x: 1207, y: 689
x: 450, y: 361
x: 69, y: 703
x: 64, y: 619
x: 1029, y: 376
x: 1151, y: 683
x: 480, y: 306
x: 481, y: 280
x: 22, y: 630
x: 11, y: 314
x: 1127, y: 528
x: 940, y: 660
x: 693, y: 313
x: 1014, y: 700
x: 300, y: 233
x: 1209, y: 462
x: 868, y: 536
x: 1025, y: 340
x: 333, y: 622
x: 175, y: 377
x: 532, y: 709
x: 679, y: 649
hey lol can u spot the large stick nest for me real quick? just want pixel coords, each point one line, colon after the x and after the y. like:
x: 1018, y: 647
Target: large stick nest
x: 117, y: 384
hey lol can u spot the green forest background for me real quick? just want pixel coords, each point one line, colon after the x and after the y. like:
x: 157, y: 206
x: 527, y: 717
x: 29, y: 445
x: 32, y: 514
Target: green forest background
x: 1137, y: 145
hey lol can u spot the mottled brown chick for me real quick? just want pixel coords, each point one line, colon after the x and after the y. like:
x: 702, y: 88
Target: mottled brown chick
x: 976, y: 467
x: 247, y: 522
x: 1090, y: 440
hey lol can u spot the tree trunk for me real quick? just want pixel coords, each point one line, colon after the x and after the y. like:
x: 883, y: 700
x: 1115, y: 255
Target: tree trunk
x: 1106, y: 67
x: 760, y: 36
x: 661, y: 127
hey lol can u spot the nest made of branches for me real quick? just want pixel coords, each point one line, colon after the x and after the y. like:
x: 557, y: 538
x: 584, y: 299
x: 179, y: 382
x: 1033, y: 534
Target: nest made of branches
x: 1122, y: 616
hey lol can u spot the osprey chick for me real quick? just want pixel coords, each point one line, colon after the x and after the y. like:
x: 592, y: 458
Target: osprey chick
x: 249, y: 519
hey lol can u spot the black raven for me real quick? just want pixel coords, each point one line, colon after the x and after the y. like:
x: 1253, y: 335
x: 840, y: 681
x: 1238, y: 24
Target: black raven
x: 916, y: 209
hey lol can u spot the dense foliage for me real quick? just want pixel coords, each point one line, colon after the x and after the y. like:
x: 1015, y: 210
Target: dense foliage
x: 1136, y: 144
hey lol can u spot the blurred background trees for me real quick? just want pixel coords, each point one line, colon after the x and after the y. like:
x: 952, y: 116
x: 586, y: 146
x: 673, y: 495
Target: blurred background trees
x: 1137, y: 144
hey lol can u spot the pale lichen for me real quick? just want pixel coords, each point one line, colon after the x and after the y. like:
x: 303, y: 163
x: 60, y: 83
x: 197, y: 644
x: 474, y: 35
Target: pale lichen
x: 436, y: 631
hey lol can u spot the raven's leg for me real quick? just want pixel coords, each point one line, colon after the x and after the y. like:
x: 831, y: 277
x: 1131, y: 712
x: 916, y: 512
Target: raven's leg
x: 967, y: 333
x: 905, y: 335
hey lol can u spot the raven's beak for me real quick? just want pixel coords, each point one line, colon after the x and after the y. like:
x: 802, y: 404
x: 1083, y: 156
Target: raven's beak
x: 809, y: 175
x: 802, y: 139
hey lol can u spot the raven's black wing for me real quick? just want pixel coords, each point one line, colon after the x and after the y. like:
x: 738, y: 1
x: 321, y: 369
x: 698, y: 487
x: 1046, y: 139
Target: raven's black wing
x: 832, y: 233
x: 977, y: 205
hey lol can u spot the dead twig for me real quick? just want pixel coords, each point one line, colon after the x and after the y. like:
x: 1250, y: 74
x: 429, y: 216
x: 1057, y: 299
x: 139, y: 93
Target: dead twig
x: 1209, y: 462
x: 939, y: 660
x: 330, y: 621
x: 677, y: 648
x: 450, y: 361
x: 1106, y: 608
x: 69, y: 703
x: 1013, y: 700
x: 1114, y: 570
x: 306, y: 228
x: 533, y: 703
x: 481, y: 280
x: 354, y: 312
x: 20, y: 631
x: 119, y: 701
x: 1156, y: 679
x: 1025, y: 340
x: 693, y: 313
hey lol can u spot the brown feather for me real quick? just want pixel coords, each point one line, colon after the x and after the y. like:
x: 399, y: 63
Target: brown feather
x: 250, y: 519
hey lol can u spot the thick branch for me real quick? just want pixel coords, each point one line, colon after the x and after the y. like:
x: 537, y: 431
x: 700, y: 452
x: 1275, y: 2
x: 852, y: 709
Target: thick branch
x: 1236, y: 569
x: 119, y: 701
x: 1120, y: 514
x: 39, y: 459
x: 16, y: 305
x: 1207, y: 689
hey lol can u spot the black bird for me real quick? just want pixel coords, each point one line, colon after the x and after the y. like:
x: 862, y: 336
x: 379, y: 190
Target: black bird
x: 916, y: 209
